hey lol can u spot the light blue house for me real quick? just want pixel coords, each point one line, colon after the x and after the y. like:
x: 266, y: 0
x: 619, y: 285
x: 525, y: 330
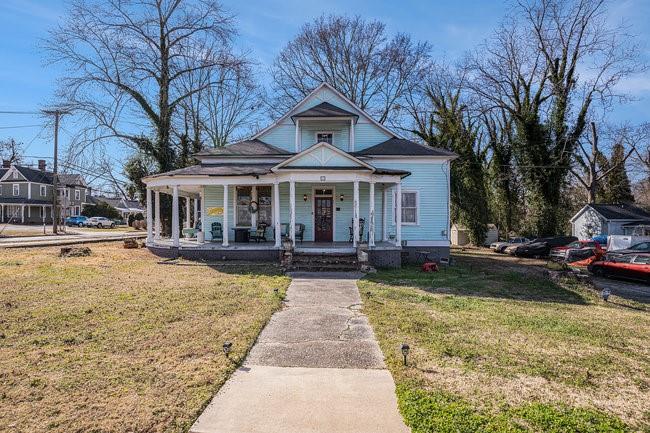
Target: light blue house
x: 341, y: 179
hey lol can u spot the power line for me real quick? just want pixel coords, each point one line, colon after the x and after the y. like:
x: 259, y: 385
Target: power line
x: 20, y: 112
x: 19, y: 126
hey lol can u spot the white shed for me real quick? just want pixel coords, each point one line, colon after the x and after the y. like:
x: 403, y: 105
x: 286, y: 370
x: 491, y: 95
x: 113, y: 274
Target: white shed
x: 460, y: 235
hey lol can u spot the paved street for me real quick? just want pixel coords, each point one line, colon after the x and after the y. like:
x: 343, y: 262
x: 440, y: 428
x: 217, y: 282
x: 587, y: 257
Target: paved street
x: 316, y: 367
x: 71, y: 236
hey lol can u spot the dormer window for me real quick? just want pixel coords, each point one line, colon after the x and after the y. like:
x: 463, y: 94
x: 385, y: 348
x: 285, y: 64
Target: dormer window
x: 324, y: 137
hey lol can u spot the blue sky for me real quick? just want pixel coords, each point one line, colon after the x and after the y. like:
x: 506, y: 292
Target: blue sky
x: 265, y: 26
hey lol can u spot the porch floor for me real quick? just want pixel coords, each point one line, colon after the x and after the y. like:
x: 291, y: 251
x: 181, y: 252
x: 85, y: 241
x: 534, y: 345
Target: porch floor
x: 304, y: 247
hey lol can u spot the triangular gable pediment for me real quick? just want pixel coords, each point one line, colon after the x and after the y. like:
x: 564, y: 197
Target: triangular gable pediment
x: 328, y: 94
x: 323, y: 155
x: 9, y: 175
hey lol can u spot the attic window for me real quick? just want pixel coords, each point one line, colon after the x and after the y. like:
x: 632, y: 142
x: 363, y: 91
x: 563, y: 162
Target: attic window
x: 326, y: 137
x: 14, y: 175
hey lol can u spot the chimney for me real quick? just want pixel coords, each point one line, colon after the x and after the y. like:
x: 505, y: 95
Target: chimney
x: 6, y: 163
x: 41, y: 164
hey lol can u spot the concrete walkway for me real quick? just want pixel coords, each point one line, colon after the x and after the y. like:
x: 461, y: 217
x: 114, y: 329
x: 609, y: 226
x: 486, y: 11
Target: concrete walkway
x: 316, y: 367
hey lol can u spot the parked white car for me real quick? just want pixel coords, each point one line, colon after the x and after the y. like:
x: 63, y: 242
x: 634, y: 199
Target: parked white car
x: 100, y: 222
x: 500, y: 247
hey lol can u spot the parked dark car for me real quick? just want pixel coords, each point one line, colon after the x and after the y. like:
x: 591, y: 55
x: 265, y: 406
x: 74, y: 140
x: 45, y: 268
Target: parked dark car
x: 77, y: 221
x: 541, y: 247
x: 642, y: 247
x: 630, y: 266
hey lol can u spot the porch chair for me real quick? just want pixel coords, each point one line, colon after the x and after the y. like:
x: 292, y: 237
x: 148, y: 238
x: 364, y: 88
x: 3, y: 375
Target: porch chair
x: 216, y: 231
x: 259, y: 234
x: 300, y: 231
x: 362, y: 223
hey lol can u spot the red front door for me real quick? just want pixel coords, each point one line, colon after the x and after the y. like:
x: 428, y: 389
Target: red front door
x: 323, y: 219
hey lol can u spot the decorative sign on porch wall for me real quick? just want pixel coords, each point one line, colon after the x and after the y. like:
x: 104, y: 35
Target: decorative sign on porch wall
x: 215, y: 211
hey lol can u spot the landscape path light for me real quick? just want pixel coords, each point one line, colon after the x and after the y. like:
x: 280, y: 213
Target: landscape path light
x: 405, y: 351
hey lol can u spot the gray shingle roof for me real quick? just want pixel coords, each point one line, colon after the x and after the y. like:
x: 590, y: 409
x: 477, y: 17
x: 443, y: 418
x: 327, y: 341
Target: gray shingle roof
x: 220, y: 170
x: 324, y: 109
x: 45, y: 177
x: 401, y: 147
x: 23, y: 200
x: 621, y: 211
x: 245, y: 148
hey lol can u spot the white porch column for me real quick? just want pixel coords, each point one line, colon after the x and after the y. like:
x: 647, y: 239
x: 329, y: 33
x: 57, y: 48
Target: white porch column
x: 276, y: 214
x: 297, y: 143
x: 175, y: 221
x: 254, y: 198
x: 157, y: 216
x: 384, y: 218
x: 2, y: 213
x: 351, y: 135
x: 204, y: 227
x: 398, y: 214
x: 149, y: 217
x: 225, y: 216
x: 22, y: 214
x: 371, y: 216
x: 196, y: 212
x: 44, y: 212
x: 292, y: 211
x: 355, y: 214
x: 187, y: 213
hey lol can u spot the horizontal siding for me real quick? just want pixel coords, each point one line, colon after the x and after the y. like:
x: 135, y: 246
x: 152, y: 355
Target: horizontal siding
x: 430, y: 179
x: 366, y: 133
x: 340, y: 131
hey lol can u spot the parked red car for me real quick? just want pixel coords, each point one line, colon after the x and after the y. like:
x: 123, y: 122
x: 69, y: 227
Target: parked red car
x: 630, y: 266
x: 577, y: 250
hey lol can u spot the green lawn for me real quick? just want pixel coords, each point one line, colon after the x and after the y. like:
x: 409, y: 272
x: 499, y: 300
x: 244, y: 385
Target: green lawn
x: 496, y: 350
x: 121, y: 341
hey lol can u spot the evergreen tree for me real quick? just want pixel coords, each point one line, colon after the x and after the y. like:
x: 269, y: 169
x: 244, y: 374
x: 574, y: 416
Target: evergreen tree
x: 617, y: 188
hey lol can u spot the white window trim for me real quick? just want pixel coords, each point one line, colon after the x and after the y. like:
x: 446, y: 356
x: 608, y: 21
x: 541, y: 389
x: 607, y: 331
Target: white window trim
x: 417, y: 207
x: 15, y: 191
x: 234, y: 205
x: 43, y: 190
x: 323, y: 132
x: 77, y: 194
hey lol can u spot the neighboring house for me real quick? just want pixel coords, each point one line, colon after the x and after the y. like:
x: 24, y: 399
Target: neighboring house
x: 610, y: 219
x: 26, y: 194
x: 123, y: 206
x: 326, y: 168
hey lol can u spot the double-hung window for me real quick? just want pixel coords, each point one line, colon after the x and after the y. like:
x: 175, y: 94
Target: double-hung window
x: 43, y: 190
x: 326, y: 137
x: 410, y: 207
x: 77, y: 194
x: 242, y: 203
x: 16, y: 189
x: 264, y: 210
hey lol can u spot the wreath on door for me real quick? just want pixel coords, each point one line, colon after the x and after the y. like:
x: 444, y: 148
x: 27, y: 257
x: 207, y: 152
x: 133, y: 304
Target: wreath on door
x: 253, y: 206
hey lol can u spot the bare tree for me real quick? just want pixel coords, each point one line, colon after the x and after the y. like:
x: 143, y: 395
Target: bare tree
x: 355, y: 56
x: 228, y: 109
x: 11, y: 150
x: 547, y: 66
x: 594, y: 164
x: 124, y: 61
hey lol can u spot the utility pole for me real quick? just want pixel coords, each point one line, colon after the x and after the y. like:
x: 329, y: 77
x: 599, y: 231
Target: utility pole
x: 55, y: 170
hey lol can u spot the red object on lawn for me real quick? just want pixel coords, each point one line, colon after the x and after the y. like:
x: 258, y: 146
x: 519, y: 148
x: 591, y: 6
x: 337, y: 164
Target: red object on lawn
x: 430, y: 267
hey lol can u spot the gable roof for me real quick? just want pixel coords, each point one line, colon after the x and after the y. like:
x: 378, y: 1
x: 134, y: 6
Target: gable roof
x: 324, y: 109
x: 71, y: 179
x: 30, y: 174
x: 399, y: 146
x: 337, y: 93
x: 325, y: 146
x: 252, y: 147
x: 620, y: 211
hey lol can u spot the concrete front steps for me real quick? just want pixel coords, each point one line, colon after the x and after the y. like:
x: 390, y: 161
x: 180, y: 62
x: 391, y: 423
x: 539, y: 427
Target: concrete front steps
x: 314, y: 262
